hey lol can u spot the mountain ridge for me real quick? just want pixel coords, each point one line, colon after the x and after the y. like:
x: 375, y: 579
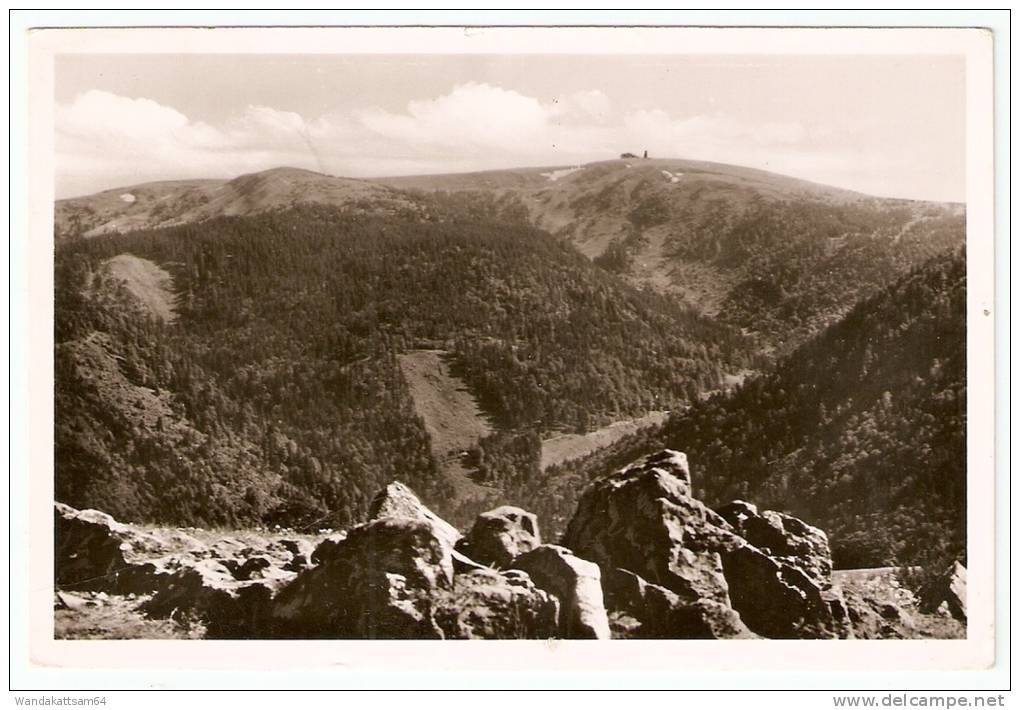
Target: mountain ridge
x: 290, y: 300
x: 502, y: 178
x: 174, y: 202
x: 779, y: 257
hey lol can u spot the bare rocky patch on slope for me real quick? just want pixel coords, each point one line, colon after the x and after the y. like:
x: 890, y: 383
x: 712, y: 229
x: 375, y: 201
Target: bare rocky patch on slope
x: 150, y: 284
x: 454, y: 421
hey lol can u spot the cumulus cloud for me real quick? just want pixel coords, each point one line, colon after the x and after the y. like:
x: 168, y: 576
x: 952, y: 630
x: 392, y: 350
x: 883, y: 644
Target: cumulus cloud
x: 104, y: 140
x: 476, y: 115
x: 583, y: 105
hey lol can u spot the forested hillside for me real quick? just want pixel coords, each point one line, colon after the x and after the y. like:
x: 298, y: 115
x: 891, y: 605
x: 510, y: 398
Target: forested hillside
x: 803, y: 264
x: 861, y: 431
x: 779, y: 257
x: 275, y: 394
x: 563, y: 300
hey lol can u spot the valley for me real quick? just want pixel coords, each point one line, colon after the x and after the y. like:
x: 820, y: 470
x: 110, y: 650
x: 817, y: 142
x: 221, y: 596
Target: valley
x: 275, y: 348
x: 545, y: 332
x: 861, y: 430
x: 456, y: 424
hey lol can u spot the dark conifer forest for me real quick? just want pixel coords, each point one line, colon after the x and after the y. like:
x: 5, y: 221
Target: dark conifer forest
x: 280, y: 397
x: 861, y: 431
x: 828, y: 382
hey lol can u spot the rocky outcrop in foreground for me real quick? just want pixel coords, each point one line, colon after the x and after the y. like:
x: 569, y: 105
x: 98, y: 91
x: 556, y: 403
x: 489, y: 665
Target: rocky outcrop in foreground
x: 946, y: 594
x: 687, y: 571
x: 641, y: 558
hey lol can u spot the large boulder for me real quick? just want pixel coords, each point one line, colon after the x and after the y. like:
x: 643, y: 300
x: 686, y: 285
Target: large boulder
x: 227, y: 585
x: 784, y: 537
x: 576, y: 583
x: 231, y: 605
x: 377, y: 582
x: 643, y: 519
x: 779, y: 600
x: 781, y: 580
x: 486, y: 604
x: 95, y: 552
x: 498, y: 536
x: 956, y: 592
x: 947, y: 591
x: 648, y: 611
x: 398, y: 501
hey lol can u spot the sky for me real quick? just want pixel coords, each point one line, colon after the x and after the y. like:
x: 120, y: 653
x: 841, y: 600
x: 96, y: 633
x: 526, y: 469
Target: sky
x: 885, y: 125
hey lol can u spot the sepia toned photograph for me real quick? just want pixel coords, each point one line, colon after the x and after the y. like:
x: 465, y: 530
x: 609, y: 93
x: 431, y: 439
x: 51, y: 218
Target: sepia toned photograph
x: 507, y: 347
x: 667, y: 343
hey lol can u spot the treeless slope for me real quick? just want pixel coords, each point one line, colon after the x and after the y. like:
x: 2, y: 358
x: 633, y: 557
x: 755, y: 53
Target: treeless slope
x: 127, y: 208
x: 549, y: 193
x: 569, y: 178
x: 777, y: 255
x: 146, y: 281
x: 452, y: 417
x: 566, y: 447
x: 161, y: 204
